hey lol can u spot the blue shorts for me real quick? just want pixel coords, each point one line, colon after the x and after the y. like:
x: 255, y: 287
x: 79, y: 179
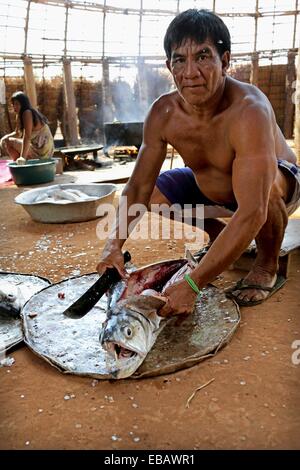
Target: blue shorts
x: 179, y: 187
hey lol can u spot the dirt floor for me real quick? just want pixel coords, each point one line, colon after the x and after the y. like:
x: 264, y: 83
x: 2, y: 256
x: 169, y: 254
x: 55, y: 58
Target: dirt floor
x: 253, y: 403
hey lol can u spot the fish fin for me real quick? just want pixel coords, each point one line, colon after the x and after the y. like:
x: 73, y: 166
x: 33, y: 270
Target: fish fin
x: 147, y: 305
x: 149, y: 302
x: 191, y: 259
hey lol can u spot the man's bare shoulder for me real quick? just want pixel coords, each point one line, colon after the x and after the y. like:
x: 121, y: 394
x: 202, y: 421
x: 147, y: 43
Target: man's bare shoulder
x: 165, y: 104
x: 249, y: 106
x: 253, y: 123
x: 244, y: 97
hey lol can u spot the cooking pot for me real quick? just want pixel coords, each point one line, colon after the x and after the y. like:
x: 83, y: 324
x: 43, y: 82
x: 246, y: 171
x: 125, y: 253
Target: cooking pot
x: 123, y: 133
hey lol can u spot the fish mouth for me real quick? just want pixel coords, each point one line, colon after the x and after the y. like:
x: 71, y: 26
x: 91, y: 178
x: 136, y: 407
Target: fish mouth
x: 119, y: 351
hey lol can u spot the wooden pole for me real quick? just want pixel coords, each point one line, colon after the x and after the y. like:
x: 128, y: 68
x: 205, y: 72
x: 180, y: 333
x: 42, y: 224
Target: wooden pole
x: 66, y: 31
x: 103, y: 29
x: 108, y: 109
x: 142, y: 86
x: 140, y: 27
x: 172, y: 158
x: 107, y: 104
x: 254, y: 69
x: 26, y: 26
x: 297, y: 111
x: 30, y: 81
x: 255, y: 56
x: 289, y: 90
x: 70, y: 103
x: 256, y: 25
x: 295, y: 23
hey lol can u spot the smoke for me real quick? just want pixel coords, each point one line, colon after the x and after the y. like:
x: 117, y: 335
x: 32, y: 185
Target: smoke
x: 125, y: 101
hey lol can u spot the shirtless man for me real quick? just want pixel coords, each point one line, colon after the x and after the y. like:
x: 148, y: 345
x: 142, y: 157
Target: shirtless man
x: 236, y: 156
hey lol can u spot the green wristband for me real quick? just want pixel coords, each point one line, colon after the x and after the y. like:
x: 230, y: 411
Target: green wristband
x: 192, y: 283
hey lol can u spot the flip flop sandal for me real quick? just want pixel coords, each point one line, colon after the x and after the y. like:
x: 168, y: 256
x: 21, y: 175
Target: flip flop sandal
x: 241, y: 285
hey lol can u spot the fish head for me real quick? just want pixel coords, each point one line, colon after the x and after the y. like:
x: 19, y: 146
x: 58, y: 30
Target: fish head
x: 130, y: 331
x: 11, y: 300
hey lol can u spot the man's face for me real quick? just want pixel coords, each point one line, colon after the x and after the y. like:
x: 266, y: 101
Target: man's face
x: 197, y: 70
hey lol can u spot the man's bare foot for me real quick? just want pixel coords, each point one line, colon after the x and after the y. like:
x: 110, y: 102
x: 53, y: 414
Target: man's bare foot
x: 256, y: 277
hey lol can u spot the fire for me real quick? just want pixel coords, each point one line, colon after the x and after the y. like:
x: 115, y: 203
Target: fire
x: 125, y: 151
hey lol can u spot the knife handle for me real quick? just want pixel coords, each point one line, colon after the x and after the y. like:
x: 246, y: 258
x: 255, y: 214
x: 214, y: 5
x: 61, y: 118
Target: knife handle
x: 111, y: 275
x: 87, y: 301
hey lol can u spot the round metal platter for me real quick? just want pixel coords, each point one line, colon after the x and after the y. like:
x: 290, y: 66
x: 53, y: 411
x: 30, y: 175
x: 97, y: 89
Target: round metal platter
x: 11, y: 332
x: 73, y: 345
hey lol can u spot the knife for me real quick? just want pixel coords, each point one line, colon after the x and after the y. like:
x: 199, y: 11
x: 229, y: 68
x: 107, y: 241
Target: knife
x: 87, y: 301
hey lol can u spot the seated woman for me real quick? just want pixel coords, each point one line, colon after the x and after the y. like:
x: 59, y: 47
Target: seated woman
x: 32, y: 137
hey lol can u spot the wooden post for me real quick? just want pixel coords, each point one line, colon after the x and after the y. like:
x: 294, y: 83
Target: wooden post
x: 289, y: 90
x: 26, y: 26
x: 66, y: 31
x: 256, y: 25
x: 297, y: 111
x: 142, y: 86
x: 255, y: 56
x: 140, y: 26
x: 295, y: 23
x: 254, y: 69
x: 108, y: 111
x: 70, y: 103
x: 30, y: 81
x: 107, y: 104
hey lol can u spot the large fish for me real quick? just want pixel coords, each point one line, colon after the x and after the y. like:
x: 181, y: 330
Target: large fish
x: 133, y: 324
x: 56, y: 195
x: 15, y: 290
x: 11, y: 299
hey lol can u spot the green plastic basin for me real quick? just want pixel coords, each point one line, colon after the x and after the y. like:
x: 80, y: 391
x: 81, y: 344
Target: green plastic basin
x: 33, y: 172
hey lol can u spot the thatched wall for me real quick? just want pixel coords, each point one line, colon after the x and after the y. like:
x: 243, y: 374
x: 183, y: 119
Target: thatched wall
x: 127, y: 103
x: 272, y: 82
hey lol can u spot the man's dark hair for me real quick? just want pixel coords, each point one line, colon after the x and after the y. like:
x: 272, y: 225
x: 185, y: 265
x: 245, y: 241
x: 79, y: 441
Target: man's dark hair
x: 25, y: 104
x: 197, y: 25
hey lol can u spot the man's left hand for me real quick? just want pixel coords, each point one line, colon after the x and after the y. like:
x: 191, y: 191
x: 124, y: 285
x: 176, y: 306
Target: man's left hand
x: 181, y: 300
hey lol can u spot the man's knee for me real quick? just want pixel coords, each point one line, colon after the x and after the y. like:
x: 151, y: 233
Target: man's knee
x: 157, y: 197
x: 277, y: 204
x: 283, y: 186
x: 279, y: 190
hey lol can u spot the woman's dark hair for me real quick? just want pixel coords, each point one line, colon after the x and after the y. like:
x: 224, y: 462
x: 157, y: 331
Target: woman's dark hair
x: 25, y: 104
x: 197, y: 25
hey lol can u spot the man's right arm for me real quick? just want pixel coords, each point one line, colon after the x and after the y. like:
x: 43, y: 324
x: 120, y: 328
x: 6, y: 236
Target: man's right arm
x: 138, y: 189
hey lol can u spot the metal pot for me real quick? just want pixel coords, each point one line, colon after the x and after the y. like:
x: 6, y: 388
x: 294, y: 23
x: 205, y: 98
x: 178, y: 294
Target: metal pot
x: 123, y: 133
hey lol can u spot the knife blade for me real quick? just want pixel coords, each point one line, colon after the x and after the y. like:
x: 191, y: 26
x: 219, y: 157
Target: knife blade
x: 87, y: 301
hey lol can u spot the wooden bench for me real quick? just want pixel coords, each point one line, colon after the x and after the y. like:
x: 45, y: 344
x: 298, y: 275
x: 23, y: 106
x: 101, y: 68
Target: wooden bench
x: 79, y: 150
x: 291, y: 242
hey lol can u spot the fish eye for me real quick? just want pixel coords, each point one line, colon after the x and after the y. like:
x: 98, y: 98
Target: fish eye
x: 128, y: 332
